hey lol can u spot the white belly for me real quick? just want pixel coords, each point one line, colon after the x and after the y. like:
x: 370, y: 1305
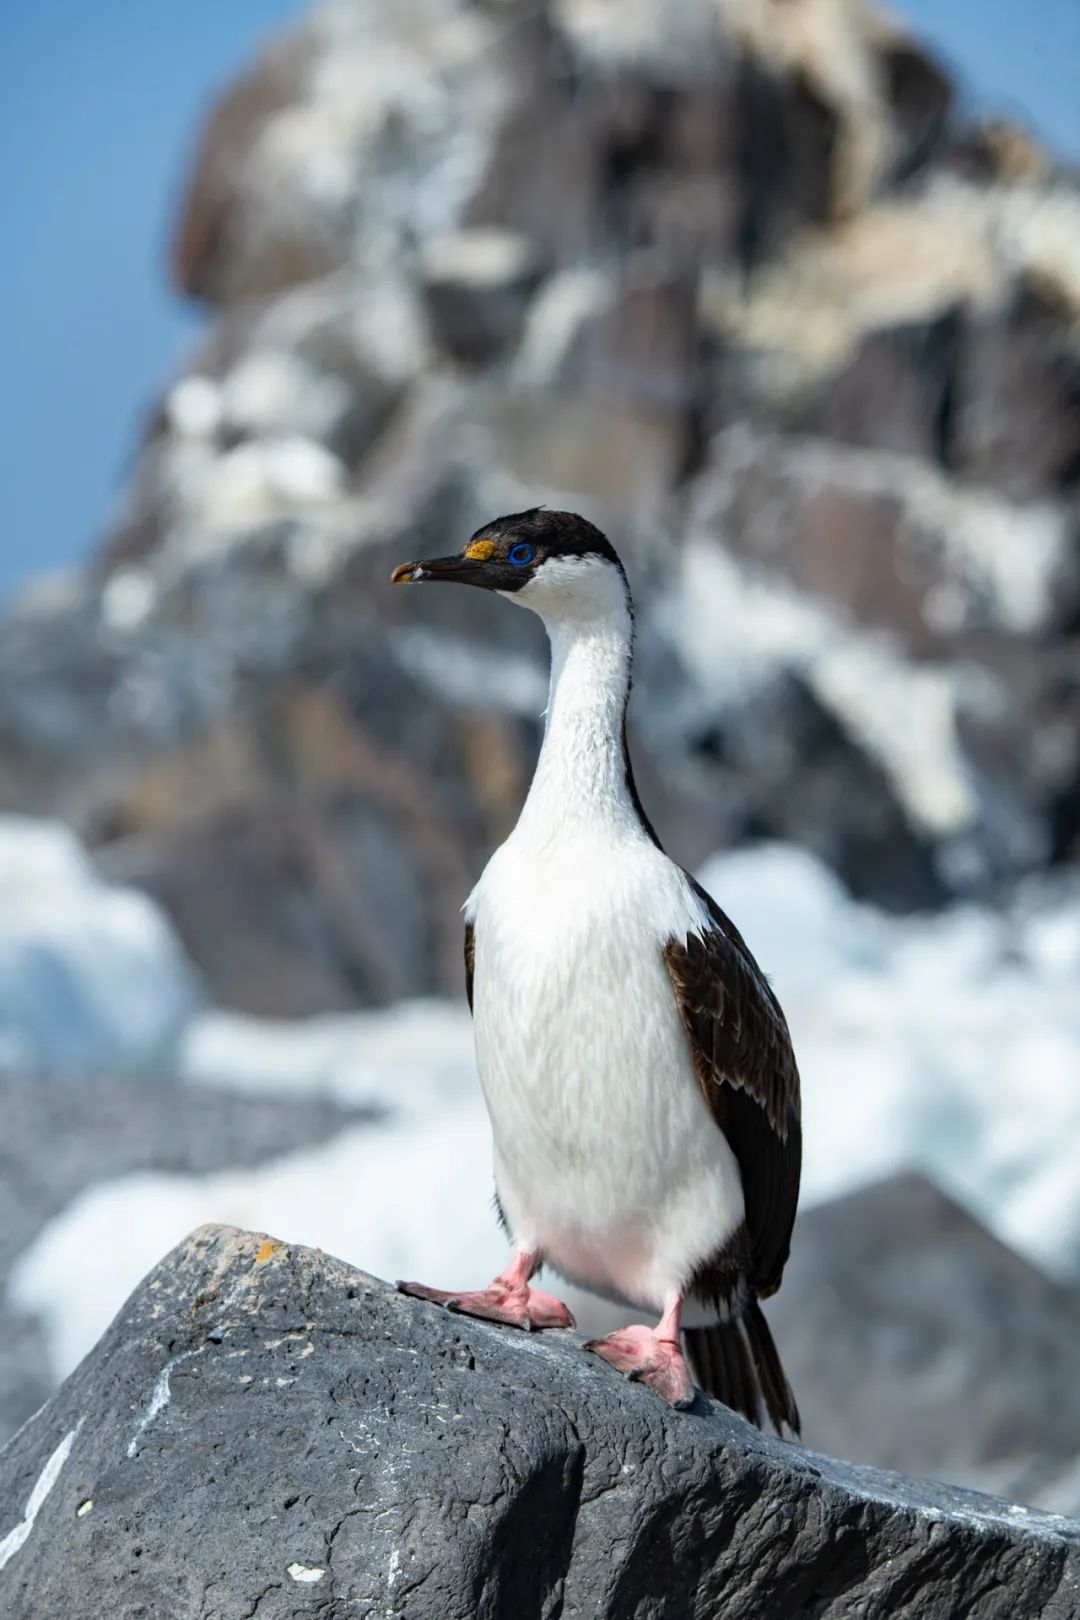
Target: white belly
x: 607, y: 1158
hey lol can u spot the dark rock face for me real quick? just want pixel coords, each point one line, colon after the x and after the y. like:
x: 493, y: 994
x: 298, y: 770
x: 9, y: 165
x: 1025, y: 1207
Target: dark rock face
x: 1021, y: 429
x: 947, y: 1353
x: 751, y: 300
x: 265, y: 1431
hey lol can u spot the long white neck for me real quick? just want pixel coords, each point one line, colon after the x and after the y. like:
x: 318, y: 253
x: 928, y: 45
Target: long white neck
x: 581, y: 772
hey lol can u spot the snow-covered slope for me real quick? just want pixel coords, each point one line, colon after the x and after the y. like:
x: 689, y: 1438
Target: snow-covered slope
x: 950, y: 1043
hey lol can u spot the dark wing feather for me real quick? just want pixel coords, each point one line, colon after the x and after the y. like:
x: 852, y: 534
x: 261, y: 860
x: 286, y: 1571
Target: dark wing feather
x: 470, y: 959
x: 746, y: 1068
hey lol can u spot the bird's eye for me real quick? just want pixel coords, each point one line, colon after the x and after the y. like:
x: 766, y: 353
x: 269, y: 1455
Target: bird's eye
x: 522, y: 554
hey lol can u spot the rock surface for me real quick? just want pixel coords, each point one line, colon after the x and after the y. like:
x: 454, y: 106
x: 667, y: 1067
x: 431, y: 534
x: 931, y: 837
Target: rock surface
x: 264, y: 1431
x: 755, y: 299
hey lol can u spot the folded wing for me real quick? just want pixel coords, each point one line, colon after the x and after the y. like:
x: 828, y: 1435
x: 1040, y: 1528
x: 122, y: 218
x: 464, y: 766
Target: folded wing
x: 748, y: 1076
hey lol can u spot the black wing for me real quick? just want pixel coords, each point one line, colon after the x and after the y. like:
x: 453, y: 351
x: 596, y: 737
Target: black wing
x: 747, y: 1072
x: 470, y: 959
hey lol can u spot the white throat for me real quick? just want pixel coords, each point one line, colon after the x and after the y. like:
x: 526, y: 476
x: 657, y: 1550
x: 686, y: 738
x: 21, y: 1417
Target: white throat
x: 581, y: 772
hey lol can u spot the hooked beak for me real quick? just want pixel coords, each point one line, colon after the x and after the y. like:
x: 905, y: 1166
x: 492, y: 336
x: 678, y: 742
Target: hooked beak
x: 454, y: 570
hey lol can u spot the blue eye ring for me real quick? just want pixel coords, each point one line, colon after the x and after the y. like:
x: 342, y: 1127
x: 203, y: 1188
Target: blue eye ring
x: 521, y: 555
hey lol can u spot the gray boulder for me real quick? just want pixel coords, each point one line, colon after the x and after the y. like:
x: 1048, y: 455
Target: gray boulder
x: 264, y: 1431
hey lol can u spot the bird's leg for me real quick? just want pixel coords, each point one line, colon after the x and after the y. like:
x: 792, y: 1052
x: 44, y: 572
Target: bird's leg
x: 508, y: 1299
x: 653, y: 1355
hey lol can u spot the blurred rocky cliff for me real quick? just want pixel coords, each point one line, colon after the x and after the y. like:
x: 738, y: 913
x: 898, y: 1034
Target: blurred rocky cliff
x: 732, y: 277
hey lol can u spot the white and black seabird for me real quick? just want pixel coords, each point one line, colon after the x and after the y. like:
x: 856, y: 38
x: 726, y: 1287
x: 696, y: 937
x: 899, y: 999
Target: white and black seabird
x: 636, y: 1065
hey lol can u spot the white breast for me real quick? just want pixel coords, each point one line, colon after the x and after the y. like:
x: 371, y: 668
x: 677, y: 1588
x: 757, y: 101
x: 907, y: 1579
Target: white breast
x: 606, y: 1157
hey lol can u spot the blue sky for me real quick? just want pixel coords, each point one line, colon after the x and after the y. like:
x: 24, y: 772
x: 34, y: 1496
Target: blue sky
x: 99, y: 104
x: 100, y: 101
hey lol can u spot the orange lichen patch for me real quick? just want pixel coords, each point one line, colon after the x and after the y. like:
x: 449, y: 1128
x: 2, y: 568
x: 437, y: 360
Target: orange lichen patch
x: 480, y: 550
x: 266, y: 1249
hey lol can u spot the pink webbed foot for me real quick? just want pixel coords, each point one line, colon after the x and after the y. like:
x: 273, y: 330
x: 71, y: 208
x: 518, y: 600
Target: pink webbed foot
x: 643, y: 1356
x: 516, y: 1304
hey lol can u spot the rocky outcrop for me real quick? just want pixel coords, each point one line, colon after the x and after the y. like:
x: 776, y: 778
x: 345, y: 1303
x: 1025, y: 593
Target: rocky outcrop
x: 738, y: 285
x: 265, y: 1431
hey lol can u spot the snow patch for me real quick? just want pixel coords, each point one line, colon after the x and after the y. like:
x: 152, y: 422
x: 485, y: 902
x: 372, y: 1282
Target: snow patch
x: 459, y: 670
x: 193, y: 407
x: 903, y: 714
x: 127, y: 600
x: 91, y: 977
x: 619, y: 33
x: 555, y: 317
x: 479, y: 257
x: 906, y: 718
x: 273, y: 392
x: 412, y: 1058
x: 269, y: 478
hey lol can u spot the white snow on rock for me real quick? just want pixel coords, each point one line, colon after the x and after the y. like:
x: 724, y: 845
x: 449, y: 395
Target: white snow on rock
x: 905, y: 716
x: 416, y: 1056
x: 91, y: 977
x: 481, y: 256
x: 951, y: 1043
x: 193, y: 407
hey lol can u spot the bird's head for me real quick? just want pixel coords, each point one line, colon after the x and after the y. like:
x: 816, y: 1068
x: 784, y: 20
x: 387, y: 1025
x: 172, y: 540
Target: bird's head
x: 556, y: 563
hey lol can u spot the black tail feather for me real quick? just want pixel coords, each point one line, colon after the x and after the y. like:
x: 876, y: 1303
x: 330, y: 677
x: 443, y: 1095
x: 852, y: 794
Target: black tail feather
x: 737, y: 1361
